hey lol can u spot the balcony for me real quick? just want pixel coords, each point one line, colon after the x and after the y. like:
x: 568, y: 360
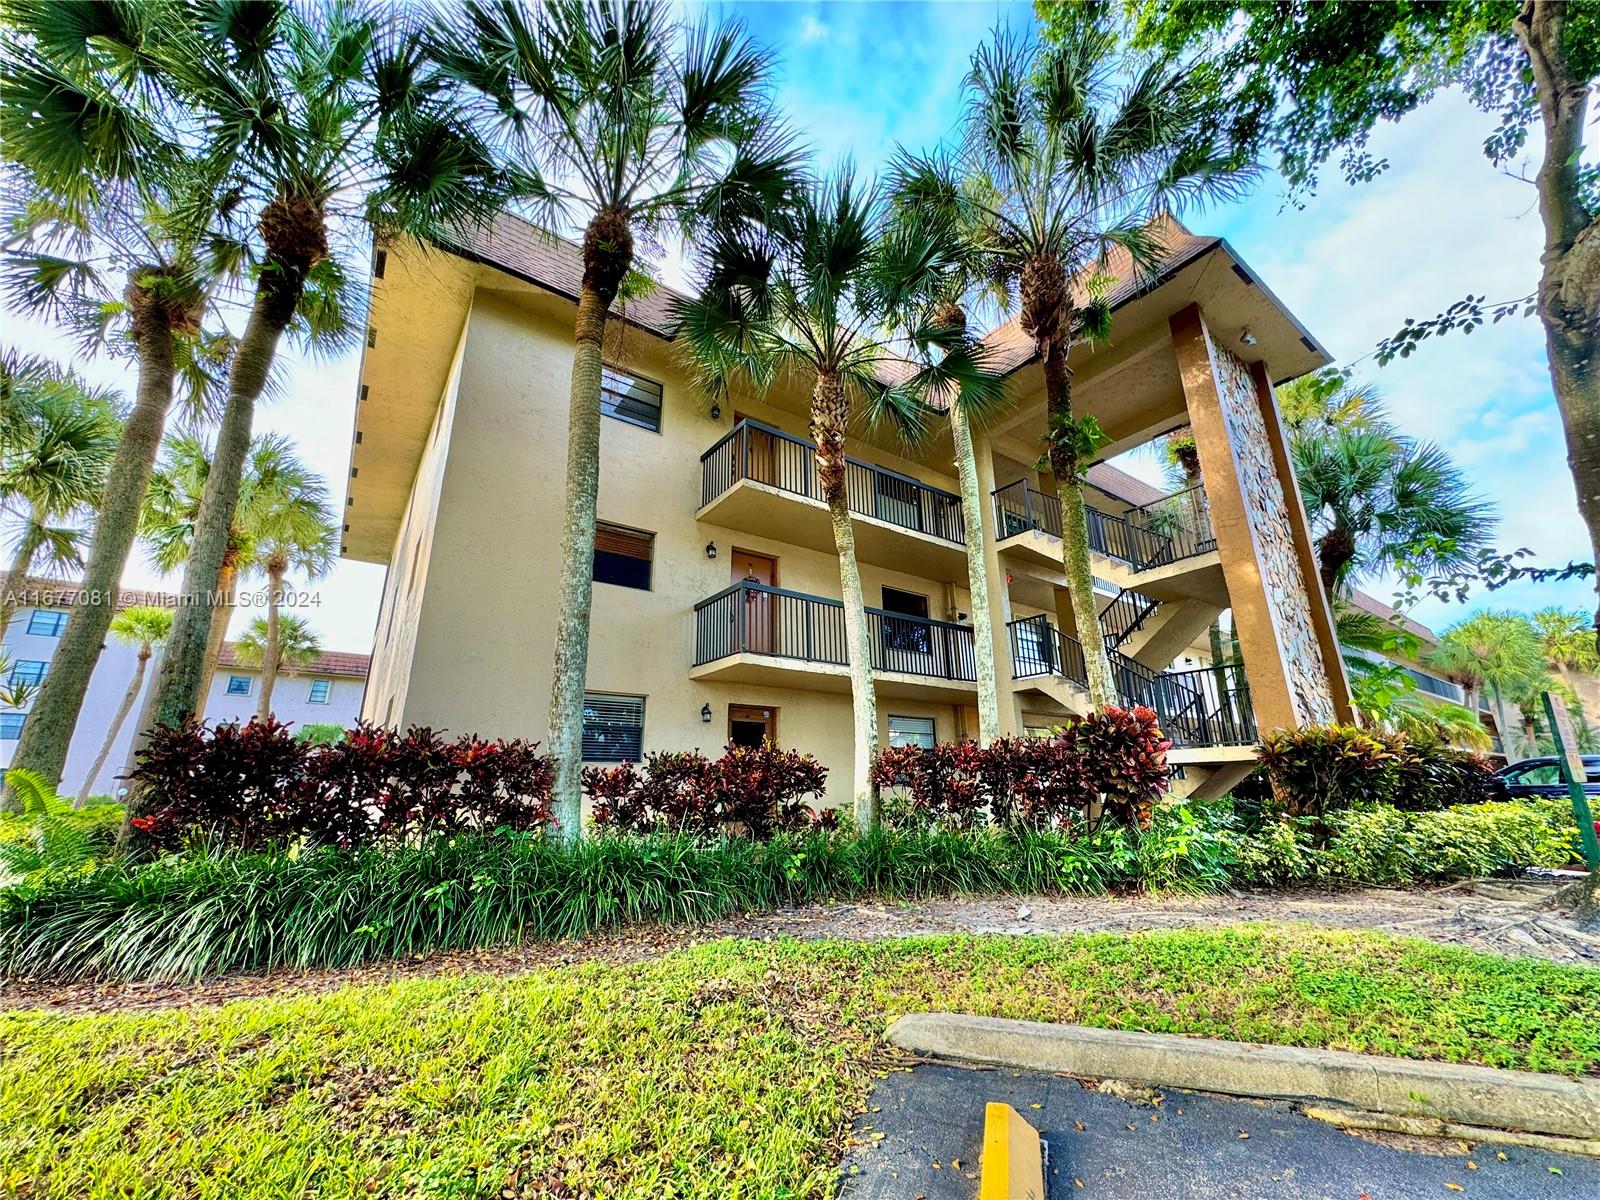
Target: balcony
x: 752, y: 633
x: 1168, y: 538
x: 763, y: 481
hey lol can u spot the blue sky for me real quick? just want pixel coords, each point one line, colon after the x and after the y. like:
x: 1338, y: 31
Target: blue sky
x: 1352, y: 264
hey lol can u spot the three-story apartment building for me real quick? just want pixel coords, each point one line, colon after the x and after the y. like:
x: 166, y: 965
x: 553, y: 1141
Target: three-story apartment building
x: 716, y: 615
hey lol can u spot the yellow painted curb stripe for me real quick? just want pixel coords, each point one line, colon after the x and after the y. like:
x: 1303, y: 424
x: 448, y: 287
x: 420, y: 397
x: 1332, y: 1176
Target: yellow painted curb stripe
x: 1012, y: 1166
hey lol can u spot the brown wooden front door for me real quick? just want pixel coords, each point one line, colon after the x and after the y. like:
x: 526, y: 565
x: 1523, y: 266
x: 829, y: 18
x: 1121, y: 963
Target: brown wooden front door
x: 760, y: 608
x: 750, y: 725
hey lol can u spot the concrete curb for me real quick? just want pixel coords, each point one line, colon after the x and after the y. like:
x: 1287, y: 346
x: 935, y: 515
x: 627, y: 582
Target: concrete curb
x: 1448, y: 1091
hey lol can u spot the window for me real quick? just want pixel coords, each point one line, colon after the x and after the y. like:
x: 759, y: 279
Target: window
x: 319, y: 691
x: 1543, y: 774
x: 27, y: 670
x: 911, y: 731
x: 11, y: 726
x: 622, y: 556
x: 238, y: 685
x: 630, y: 398
x: 613, y: 728
x: 47, y: 622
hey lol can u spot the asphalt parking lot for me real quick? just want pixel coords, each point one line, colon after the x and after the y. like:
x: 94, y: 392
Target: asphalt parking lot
x: 921, y: 1139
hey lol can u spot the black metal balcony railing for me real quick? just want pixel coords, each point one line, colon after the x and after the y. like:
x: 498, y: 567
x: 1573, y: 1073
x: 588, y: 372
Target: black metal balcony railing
x: 1039, y: 648
x: 1152, y: 536
x: 1125, y: 615
x: 762, y: 454
x: 751, y: 618
x: 1207, y: 706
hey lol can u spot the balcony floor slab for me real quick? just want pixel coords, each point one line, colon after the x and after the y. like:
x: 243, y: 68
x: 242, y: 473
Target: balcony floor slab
x: 765, y: 670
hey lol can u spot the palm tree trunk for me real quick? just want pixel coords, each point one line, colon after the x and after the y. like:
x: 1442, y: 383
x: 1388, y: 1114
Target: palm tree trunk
x: 48, y: 731
x: 217, y: 631
x: 1075, y: 524
x: 183, y: 664
x: 176, y: 695
x: 830, y: 417
x: 1335, y: 551
x: 17, y: 577
x: 269, y: 656
x: 1569, y: 285
x: 977, y: 575
x: 123, y: 709
x: 576, y: 592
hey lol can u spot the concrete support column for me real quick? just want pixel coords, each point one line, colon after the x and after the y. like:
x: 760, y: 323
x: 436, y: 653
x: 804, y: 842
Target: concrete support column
x: 999, y: 590
x: 1281, y: 615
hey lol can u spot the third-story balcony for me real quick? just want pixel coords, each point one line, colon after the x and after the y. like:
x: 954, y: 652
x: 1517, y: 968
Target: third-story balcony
x: 1170, y: 537
x: 763, y: 481
x: 755, y: 634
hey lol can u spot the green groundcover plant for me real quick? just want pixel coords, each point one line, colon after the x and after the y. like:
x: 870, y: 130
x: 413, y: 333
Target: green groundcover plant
x: 723, y: 1070
x: 198, y: 913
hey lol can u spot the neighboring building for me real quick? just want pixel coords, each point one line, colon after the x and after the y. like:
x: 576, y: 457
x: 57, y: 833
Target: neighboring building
x: 329, y: 691
x: 715, y: 615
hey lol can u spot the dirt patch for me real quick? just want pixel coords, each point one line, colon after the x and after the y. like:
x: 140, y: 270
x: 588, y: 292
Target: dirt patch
x: 1497, y: 916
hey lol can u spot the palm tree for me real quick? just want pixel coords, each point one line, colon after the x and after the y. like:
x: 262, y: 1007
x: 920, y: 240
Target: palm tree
x: 59, y: 439
x: 329, y: 119
x: 1327, y: 401
x: 1567, y: 638
x: 1067, y: 153
x: 812, y: 295
x: 292, y: 527
x: 290, y: 648
x: 145, y: 626
x: 1499, y: 652
x: 119, y: 236
x: 1381, y: 502
x: 934, y: 324
x: 632, y: 123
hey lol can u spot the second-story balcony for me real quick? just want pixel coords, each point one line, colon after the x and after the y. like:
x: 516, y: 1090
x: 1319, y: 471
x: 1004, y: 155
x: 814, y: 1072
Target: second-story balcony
x: 1172, y: 533
x: 752, y: 633
x: 763, y: 481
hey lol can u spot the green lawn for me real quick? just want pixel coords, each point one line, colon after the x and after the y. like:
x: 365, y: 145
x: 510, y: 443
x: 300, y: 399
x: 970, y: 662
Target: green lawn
x: 727, y: 1070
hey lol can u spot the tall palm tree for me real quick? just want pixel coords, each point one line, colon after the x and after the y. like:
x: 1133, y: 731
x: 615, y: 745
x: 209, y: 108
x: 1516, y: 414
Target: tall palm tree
x: 145, y: 626
x: 1068, y: 152
x: 290, y: 648
x: 292, y: 527
x: 812, y: 295
x: 1567, y: 637
x: 935, y: 323
x: 1500, y: 653
x: 120, y: 234
x: 330, y: 120
x: 59, y: 439
x: 634, y: 124
x: 1379, y: 502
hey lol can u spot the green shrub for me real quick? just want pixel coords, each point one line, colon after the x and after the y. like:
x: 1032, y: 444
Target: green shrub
x: 1379, y: 844
x: 49, y: 834
x: 1323, y: 769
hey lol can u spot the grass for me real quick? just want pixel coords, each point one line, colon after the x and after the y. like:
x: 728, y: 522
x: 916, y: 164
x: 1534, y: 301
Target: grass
x: 725, y: 1070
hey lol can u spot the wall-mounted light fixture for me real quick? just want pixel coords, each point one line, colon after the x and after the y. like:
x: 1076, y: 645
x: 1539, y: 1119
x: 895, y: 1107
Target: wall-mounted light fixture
x: 705, y: 713
x: 711, y: 549
x: 716, y: 412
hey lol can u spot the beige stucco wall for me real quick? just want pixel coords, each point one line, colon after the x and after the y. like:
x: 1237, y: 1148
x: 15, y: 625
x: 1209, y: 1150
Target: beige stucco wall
x: 468, y: 645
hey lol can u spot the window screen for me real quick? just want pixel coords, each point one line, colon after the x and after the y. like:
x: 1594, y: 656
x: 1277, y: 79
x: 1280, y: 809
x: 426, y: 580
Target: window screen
x: 238, y: 685
x: 911, y: 731
x: 47, y: 623
x: 11, y: 726
x: 630, y: 398
x: 613, y: 728
x: 319, y: 691
x: 622, y: 556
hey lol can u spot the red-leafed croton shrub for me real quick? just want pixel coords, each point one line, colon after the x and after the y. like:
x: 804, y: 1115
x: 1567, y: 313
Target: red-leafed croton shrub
x: 255, y: 785
x: 1116, y: 757
x: 751, y: 790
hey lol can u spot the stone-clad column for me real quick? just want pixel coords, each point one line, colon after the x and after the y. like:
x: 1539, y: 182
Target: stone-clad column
x: 1280, y: 612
